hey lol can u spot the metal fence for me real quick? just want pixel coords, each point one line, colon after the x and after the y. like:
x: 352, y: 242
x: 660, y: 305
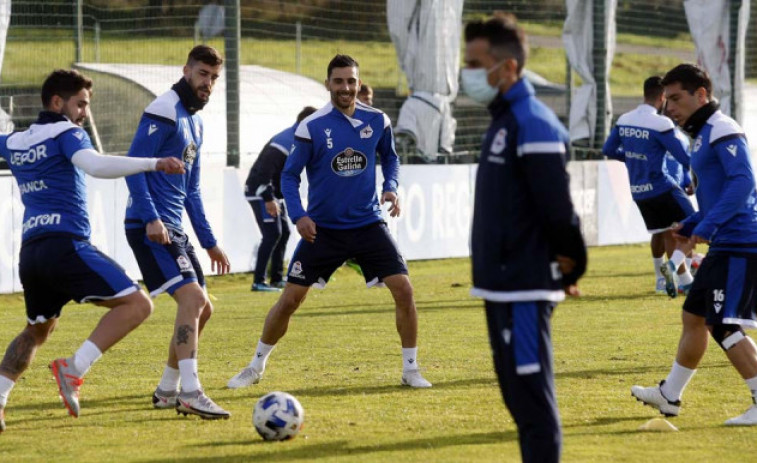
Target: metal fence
x: 300, y: 36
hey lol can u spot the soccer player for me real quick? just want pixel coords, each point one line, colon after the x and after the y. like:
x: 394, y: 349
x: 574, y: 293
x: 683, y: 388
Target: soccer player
x: 263, y: 192
x: 365, y: 95
x: 526, y: 242
x: 722, y: 299
x: 641, y: 139
x: 338, y: 145
x: 57, y: 262
x: 171, y: 128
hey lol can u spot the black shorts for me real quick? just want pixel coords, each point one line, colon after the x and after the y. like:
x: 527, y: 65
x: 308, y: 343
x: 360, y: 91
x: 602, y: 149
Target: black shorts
x: 165, y: 267
x: 661, y: 211
x: 724, y: 291
x: 55, y: 270
x: 371, y: 246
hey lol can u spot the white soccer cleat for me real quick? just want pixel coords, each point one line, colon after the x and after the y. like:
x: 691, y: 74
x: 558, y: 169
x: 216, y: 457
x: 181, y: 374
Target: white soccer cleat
x: 164, y: 399
x: 197, y: 403
x: 247, y: 377
x: 669, y: 271
x: 653, y: 397
x: 748, y: 418
x: 413, y: 378
x: 660, y: 286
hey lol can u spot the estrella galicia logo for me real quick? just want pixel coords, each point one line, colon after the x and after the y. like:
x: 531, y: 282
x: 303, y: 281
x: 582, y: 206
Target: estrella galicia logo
x: 190, y: 153
x: 349, y: 163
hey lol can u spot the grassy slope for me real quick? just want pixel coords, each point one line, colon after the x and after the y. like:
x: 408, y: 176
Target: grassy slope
x: 341, y: 359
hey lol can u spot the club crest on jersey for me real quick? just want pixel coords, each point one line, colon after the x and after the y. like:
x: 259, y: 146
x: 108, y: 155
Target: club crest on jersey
x: 697, y: 144
x: 367, y: 132
x: 184, y: 264
x: 190, y: 153
x: 349, y: 163
x: 499, y: 142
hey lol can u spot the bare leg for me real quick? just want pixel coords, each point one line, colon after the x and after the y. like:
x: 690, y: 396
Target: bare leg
x: 693, y: 342
x: 125, y: 314
x: 173, y: 359
x: 191, y: 301
x: 743, y: 357
x: 21, y: 350
x: 405, y: 314
x: 657, y: 245
x: 277, y: 320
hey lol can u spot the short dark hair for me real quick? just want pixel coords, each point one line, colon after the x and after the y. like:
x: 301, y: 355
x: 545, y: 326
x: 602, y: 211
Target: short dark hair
x: 365, y: 88
x: 205, y: 54
x: 306, y: 111
x: 653, y: 88
x: 690, y: 76
x: 505, y: 36
x: 341, y: 61
x: 65, y: 83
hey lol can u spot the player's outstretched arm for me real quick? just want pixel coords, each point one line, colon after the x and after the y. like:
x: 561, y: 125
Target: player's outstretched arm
x: 100, y: 166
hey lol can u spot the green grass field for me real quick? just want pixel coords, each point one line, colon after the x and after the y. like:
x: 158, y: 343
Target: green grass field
x: 341, y: 359
x: 29, y: 56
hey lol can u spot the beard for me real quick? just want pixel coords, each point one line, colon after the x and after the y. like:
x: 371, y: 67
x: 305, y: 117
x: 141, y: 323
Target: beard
x: 338, y: 99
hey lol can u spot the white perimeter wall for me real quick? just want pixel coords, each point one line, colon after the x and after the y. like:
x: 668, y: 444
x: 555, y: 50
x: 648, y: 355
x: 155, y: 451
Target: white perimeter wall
x: 435, y: 223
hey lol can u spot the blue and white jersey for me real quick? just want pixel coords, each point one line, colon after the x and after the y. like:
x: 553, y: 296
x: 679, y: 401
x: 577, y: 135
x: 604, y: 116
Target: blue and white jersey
x: 725, y: 185
x: 52, y: 188
x: 641, y: 138
x: 673, y: 168
x: 339, y: 153
x: 168, y: 129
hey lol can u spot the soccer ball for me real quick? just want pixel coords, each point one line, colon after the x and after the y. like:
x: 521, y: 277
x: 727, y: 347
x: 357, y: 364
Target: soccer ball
x: 278, y: 416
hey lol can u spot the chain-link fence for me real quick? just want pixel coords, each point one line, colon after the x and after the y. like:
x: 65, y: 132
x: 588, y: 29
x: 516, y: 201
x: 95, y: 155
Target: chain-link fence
x: 300, y: 37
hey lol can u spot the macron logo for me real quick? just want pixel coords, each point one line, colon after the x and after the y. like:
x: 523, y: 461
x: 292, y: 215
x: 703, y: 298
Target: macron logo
x: 78, y: 135
x: 731, y: 149
x: 153, y: 128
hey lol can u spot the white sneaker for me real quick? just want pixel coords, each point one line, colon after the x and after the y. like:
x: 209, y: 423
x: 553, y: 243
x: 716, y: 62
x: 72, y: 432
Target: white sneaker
x: 660, y: 286
x: 413, y: 378
x: 653, y: 397
x: 749, y: 418
x: 247, y: 377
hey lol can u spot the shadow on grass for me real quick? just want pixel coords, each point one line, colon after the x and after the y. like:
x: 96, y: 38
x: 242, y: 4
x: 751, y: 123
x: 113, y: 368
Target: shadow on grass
x: 384, y: 308
x: 615, y: 371
x: 342, y: 448
x: 326, y: 391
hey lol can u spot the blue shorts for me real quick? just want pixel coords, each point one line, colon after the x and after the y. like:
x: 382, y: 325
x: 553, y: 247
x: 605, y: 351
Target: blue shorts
x: 724, y: 291
x: 165, y: 267
x: 372, y: 246
x: 659, y: 212
x: 57, y: 269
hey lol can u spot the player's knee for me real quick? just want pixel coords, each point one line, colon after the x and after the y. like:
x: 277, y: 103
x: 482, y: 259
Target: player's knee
x: 141, y: 307
x: 403, y: 294
x: 727, y: 336
x: 207, y: 312
x: 39, y: 332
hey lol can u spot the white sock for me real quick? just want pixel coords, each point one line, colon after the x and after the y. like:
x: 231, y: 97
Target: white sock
x: 261, y: 356
x: 86, y: 356
x: 409, y: 361
x: 6, y: 384
x: 677, y: 258
x: 170, y: 380
x: 751, y: 383
x: 657, y: 261
x: 676, y: 382
x: 190, y: 382
x: 688, y: 262
x: 685, y: 278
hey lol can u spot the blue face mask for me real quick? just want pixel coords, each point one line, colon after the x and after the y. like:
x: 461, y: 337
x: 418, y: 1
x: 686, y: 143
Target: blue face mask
x: 476, y: 84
